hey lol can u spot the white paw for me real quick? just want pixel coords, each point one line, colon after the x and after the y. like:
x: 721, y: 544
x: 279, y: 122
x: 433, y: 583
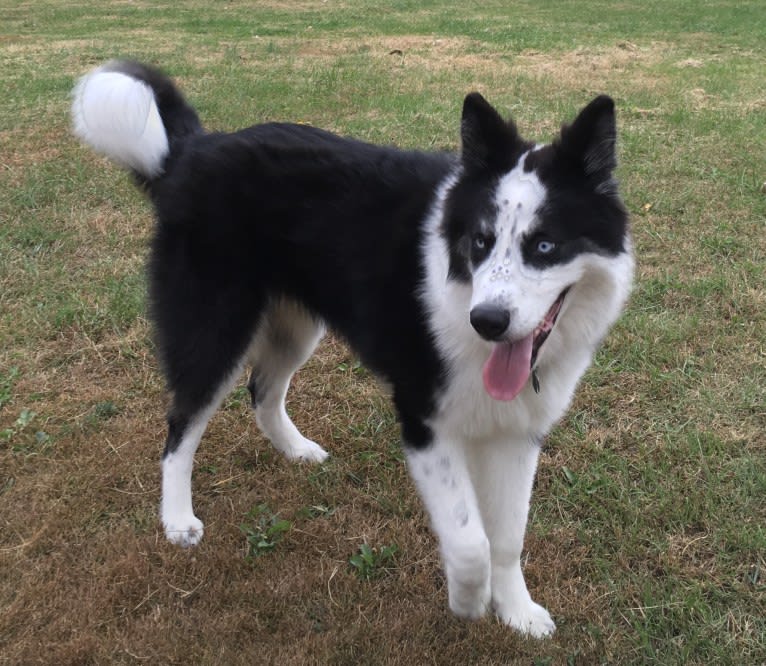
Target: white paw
x: 529, y: 618
x: 184, y: 531
x: 305, y: 450
x: 468, y: 581
x: 469, y: 601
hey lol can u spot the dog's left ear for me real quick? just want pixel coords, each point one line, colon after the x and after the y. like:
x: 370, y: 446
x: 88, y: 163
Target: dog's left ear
x: 488, y: 141
x: 590, y: 141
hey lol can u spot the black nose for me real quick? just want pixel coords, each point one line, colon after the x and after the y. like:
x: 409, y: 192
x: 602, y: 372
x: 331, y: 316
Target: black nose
x: 490, y: 321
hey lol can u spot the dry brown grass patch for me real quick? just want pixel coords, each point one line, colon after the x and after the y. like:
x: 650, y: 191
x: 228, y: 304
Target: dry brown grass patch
x: 624, y: 63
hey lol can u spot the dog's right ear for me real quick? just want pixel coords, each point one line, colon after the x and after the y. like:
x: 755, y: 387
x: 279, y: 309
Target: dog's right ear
x: 589, y: 142
x: 488, y: 141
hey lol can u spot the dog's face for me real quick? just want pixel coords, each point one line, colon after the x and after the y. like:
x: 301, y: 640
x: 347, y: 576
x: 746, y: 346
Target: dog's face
x: 525, y: 225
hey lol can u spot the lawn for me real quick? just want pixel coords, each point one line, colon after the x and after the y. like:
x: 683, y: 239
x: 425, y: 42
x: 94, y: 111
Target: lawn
x: 647, y: 535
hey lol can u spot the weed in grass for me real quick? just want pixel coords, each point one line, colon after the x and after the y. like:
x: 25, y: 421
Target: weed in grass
x: 315, y: 511
x: 24, y: 419
x: 369, y: 563
x: 20, y: 437
x: 98, y: 415
x: 105, y: 410
x: 237, y: 398
x: 263, y: 531
x: 355, y: 367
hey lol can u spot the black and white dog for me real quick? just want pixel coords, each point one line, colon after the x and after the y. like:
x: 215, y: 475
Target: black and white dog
x: 476, y: 285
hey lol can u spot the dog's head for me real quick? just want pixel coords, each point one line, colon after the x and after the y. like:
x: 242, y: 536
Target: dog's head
x: 530, y: 228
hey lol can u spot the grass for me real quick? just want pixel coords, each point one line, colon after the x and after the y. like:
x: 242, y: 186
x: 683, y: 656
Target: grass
x: 372, y: 562
x: 263, y: 531
x: 648, y: 527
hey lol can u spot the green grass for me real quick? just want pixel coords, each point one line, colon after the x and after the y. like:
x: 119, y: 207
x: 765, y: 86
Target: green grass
x: 648, y: 525
x: 263, y: 531
x: 372, y: 562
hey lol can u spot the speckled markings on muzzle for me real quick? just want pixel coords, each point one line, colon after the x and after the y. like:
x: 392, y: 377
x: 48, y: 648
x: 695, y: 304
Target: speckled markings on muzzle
x: 502, y: 279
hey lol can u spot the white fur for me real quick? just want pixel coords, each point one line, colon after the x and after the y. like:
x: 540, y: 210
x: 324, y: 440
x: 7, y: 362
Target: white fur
x: 442, y: 476
x: 118, y: 116
x: 493, y: 445
x: 282, y: 344
x: 176, y: 512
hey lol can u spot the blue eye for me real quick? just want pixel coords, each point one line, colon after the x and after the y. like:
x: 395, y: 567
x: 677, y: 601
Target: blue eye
x: 479, y: 242
x: 545, y: 246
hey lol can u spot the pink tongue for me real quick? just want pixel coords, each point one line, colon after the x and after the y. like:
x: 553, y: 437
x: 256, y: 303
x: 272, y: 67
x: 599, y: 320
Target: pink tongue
x: 507, y: 370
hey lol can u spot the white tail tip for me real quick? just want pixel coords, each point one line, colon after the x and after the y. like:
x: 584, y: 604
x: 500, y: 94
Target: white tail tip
x: 117, y: 116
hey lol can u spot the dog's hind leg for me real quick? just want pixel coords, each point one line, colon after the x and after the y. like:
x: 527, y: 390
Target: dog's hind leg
x: 286, y: 338
x: 185, y: 429
x: 202, y: 338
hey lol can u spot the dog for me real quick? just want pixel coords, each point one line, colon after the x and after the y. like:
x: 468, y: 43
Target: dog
x: 477, y: 285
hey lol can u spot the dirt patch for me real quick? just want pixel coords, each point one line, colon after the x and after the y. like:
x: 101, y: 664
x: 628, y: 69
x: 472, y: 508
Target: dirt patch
x: 304, y: 5
x: 411, y: 51
x: 625, y: 62
x: 401, y: 45
x: 690, y: 62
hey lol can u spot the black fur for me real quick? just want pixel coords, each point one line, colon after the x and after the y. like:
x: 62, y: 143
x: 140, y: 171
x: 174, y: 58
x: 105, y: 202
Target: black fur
x: 289, y: 211
x: 583, y: 211
x: 247, y: 217
x: 177, y: 425
x: 491, y: 147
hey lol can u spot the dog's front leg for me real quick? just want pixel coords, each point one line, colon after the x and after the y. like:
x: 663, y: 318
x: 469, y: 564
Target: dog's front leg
x: 442, y: 477
x: 504, y: 473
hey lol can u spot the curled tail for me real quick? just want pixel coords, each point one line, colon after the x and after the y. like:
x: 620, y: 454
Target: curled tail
x: 133, y: 114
